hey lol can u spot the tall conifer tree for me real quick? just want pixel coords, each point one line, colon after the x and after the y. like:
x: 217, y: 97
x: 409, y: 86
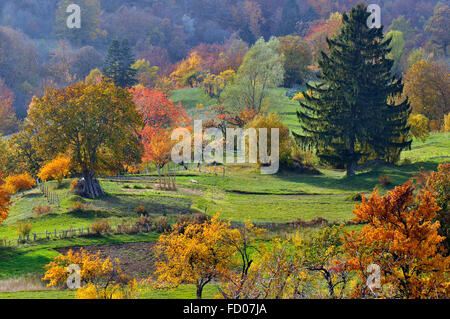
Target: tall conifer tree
x: 354, y: 111
x: 118, y: 64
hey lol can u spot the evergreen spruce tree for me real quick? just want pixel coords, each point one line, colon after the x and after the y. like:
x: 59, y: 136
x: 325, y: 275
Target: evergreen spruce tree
x: 289, y: 18
x: 118, y: 64
x: 111, y: 66
x: 129, y: 77
x: 353, y: 110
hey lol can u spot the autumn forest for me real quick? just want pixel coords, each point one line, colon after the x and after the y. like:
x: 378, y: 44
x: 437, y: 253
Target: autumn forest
x: 224, y: 150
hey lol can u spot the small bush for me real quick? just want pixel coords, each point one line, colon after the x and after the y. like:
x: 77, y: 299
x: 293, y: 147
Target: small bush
x: 101, y: 227
x: 74, y: 185
x: 144, y: 221
x: 24, y: 228
x: 356, y: 197
x: 80, y: 206
x: 126, y: 186
x: 138, y: 187
x: 419, y: 126
x: 41, y: 210
x: 125, y: 227
x: 162, y: 224
x: 384, y: 180
x: 141, y: 211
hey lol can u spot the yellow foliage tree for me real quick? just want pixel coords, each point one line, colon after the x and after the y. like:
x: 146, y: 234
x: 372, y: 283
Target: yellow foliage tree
x: 427, y: 84
x: 195, y: 256
x: 188, y: 71
x: 57, y: 169
x: 129, y: 290
x: 401, y: 238
x: 100, y: 278
x: 419, y: 126
x: 270, y: 121
x: 21, y: 182
x: 213, y: 85
x: 447, y: 123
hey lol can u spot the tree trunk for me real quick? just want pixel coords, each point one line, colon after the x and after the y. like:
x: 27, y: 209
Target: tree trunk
x: 199, y: 291
x: 351, y: 164
x: 351, y: 169
x: 90, y: 187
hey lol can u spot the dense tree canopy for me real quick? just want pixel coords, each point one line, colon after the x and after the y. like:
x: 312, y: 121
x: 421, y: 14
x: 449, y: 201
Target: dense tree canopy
x: 96, y: 124
x: 427, y: 84
x: 297, y: 60
x: 261, y: 70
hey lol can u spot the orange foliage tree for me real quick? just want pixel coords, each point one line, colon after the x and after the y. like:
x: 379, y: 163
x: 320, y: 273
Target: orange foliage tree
x: 321, y: 30
x: 160, y: 115
x: 21, y: 182
x: 402, y: 239
x: 157, y: 110
x: 99, y: 278
x: 4, y: 202
x: 439, y: 184
x: 57, y: 169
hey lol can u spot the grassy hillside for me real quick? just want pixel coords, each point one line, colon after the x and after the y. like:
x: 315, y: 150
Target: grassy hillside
x: 278, y: 102
x: 241, y: 194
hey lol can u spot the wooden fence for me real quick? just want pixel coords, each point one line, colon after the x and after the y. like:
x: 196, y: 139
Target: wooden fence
x: 69, y: 233
x: 52, y: 197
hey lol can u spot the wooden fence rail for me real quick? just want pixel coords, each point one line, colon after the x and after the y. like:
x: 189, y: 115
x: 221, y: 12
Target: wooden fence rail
x: 68, y: 233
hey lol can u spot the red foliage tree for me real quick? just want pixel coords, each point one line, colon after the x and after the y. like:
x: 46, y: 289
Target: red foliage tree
x: 157, y: 110
x: 160, y: 116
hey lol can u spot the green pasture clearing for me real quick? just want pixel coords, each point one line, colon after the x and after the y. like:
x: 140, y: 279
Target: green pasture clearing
x: 182, y: 292
x: 31, y: 258
x: 242, y: 194
x: 277, y: 102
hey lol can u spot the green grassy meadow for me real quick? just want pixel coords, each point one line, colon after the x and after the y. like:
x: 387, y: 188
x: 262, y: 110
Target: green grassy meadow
x: 243, y: 193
